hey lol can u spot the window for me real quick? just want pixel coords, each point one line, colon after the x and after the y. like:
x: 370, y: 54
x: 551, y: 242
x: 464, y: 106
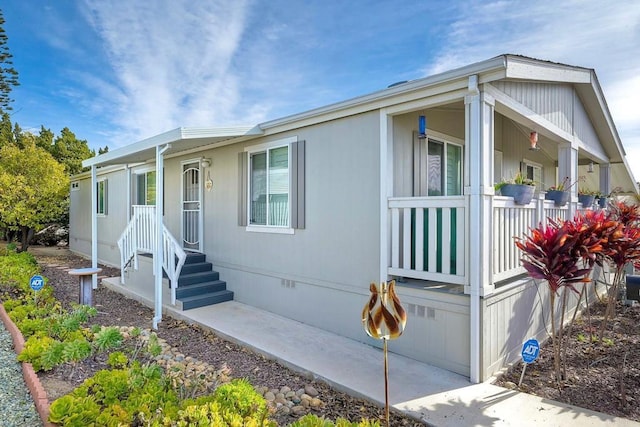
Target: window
x: 532, y: 171
x: 102, y: 197
x: 438, y: 172
x: 269, y: 187
x: 146, y: 188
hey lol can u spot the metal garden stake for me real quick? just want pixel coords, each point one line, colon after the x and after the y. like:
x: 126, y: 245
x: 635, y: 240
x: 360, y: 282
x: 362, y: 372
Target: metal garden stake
x: 384, y: 318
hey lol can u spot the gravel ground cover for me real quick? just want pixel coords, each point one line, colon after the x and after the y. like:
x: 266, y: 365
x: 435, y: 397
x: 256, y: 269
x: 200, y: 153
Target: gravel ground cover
x: 16, y: 404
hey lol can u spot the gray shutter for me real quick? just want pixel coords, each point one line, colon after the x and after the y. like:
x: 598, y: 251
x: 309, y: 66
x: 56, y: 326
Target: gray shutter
x: 243, y: 186
x: 297, y: 185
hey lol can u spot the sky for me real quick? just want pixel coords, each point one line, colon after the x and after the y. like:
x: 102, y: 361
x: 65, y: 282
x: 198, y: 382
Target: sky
x: 116, y: 72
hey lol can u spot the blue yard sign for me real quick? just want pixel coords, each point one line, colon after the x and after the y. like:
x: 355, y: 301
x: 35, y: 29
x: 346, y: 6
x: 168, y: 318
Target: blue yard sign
x: 530, y: 350
x: 36, y: 282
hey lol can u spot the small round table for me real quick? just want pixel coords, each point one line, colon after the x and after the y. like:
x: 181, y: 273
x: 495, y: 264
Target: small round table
x: 86, y: 283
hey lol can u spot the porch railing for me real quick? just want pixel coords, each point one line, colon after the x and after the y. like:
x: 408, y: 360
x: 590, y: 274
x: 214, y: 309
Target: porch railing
x: 428, y: 238
x: 139, y: 236
x: 511, y: 221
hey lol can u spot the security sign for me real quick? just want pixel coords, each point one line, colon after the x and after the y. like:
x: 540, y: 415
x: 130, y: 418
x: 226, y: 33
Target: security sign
x: 36, y: 282
x: 530, y: 350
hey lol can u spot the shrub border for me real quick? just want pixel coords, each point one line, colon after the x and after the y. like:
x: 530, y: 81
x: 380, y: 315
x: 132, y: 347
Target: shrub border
x: 38, y: 393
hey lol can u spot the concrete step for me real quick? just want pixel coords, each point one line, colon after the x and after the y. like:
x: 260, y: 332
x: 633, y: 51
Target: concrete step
x: 200, y: 288
x: 206, y: 299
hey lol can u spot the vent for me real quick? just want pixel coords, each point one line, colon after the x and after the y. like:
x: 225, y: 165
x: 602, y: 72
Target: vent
x: 421, y: 311
x: 289, y: 284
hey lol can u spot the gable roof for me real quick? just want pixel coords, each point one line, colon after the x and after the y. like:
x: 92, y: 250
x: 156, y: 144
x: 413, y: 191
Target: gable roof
x: 503, y: 67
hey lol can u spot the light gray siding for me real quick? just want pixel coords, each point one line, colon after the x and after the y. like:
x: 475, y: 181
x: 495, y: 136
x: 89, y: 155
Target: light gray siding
x: 110, y: 226
x: 559, y: 104
x: 554, y: 102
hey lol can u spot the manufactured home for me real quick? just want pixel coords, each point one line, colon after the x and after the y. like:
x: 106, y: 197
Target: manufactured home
x: 298, y: 215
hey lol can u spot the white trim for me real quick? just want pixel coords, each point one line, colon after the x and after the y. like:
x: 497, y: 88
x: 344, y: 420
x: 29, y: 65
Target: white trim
x: 94, y: 225
x: 197, y: 161
x: 271, y: 144
x: 105, y: 196
x: 266, y: 147
x: 269, y: 229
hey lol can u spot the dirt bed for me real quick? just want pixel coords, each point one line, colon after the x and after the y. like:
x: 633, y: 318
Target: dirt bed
x: 114, y: 309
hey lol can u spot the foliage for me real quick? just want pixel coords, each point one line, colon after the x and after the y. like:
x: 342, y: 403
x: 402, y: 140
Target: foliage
x: 15, y: 272
x: 518, y: 179
x: 552, y: 253
x: 33, y: 189
x: 107, y: 339
x: 312, y: 420
x: 117, y: 360
x: 566, y: 184
x: 70, y: 151
x: 118, y: 396
x: 8, y: 74
x: 621, y: 248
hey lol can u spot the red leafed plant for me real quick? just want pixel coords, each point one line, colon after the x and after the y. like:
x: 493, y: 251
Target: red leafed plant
x: 553, y: 253
x: 621, y: 248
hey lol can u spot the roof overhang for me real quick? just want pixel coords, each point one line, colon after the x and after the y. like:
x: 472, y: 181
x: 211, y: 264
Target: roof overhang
x: 181, y: 139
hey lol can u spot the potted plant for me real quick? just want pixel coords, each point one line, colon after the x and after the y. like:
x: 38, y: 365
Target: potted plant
x: 520, y: 188
x: 587, y: 197
x: 560, y: 193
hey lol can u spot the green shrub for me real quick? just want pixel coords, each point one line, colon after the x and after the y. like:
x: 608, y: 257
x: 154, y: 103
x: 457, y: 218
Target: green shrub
x: 33, y: 350
x: 107, y: 339
x: 122, y: 396
x: 239, y: 397
x: 117, y: 359
x: 312, y: 420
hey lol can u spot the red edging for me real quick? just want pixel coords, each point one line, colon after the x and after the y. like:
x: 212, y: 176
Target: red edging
x: 38, y: 393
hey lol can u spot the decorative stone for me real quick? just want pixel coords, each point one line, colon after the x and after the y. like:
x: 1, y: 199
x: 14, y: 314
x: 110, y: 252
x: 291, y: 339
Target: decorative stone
x: 310, y: 390
x: 290, y: 394
x: 316, y: 403
x: 269, y: 397
x: 285, y: 390
x: 298, y: 410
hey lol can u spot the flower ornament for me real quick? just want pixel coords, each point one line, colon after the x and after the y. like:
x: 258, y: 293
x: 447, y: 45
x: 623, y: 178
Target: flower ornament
x: 383, y: 316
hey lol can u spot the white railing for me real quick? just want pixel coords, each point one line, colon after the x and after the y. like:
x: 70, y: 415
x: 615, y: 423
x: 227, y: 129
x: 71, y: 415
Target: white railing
x: 512, y: 221
x: 428, y: 238
x: 140, y: 237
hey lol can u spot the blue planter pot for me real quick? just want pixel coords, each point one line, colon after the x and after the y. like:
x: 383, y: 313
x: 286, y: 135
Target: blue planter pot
x: 560, y: 198
x: 602, y: 201
x: 586, y: 200
x: 522, y: 194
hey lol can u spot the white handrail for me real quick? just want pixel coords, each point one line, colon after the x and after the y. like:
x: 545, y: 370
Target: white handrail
x: 139, y: 236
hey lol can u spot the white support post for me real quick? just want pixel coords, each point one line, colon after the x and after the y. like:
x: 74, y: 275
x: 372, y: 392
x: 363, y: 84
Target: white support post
x: 159, y: 252
x: 386, y: 187
x: 94, y: 225
x: 479, y: 147
x: 605, y: 178
x: 568, y: 168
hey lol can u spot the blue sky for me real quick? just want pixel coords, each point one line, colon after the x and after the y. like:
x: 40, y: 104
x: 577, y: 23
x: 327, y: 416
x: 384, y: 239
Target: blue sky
x: 115, y: 72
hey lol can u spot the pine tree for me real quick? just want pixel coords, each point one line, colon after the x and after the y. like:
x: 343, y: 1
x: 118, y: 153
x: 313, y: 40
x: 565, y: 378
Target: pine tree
x: 8, y: 74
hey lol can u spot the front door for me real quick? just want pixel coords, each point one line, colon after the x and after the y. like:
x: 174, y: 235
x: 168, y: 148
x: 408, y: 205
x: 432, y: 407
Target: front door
x: 191, y: 206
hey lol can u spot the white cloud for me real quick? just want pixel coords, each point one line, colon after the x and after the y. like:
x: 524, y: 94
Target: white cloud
x: 172, y: 63
x: 595, y: 35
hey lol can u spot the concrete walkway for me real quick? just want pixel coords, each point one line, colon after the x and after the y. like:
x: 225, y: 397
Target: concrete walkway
x: 432, y: 395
